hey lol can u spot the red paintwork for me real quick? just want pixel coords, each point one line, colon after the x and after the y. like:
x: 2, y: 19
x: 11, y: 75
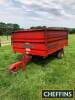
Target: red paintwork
x: 37, y: 42
x: 15, y: 67
x: 40, y: 42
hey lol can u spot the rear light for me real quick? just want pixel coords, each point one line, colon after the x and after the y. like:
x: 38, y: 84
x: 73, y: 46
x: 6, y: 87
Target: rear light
x: 27, y: 50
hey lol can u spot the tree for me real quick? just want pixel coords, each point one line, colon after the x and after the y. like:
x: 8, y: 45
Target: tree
x: 72, y: 31
x: 7, y: 29
x: 16, y: 27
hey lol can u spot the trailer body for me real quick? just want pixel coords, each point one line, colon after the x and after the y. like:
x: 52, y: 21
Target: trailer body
x: 39, y: 42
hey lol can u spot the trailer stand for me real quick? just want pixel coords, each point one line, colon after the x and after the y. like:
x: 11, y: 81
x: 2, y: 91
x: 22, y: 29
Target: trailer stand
x: 15, y: 67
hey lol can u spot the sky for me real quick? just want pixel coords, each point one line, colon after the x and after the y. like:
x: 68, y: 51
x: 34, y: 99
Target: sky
x: 27, y: 13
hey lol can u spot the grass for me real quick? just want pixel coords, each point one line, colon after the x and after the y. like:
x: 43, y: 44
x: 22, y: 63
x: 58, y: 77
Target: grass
x: 27, y: 85
x: 5, y: 37
x: 5, y: 40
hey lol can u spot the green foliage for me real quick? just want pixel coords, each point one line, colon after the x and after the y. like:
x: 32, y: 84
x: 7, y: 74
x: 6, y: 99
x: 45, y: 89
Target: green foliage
x: 72, y: 31
x: 7, y: 29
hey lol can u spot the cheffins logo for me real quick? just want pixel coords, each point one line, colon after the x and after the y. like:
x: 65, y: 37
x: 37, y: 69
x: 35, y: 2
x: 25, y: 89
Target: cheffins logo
x: 57, y: 93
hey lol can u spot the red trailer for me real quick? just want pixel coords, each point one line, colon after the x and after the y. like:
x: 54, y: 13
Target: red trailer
x: 40, y: 42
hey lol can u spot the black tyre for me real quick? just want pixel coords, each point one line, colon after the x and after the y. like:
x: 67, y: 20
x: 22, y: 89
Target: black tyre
x: 60, y: 54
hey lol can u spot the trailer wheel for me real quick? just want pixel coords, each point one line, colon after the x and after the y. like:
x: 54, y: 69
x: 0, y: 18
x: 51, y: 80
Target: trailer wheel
x: 60, y: 54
